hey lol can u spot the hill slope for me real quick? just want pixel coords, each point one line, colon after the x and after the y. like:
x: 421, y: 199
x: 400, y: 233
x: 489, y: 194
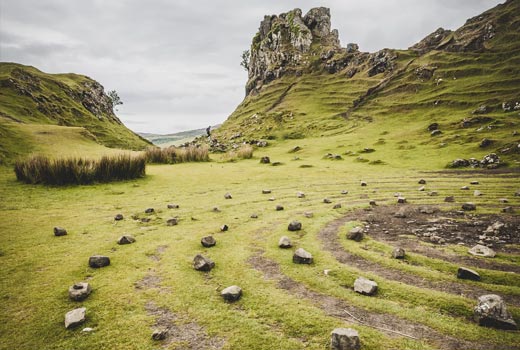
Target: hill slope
x: 33, y: 103
x: 303, y: 84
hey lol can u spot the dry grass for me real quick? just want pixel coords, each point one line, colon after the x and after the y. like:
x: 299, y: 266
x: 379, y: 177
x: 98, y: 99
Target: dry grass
x: 173, y: 155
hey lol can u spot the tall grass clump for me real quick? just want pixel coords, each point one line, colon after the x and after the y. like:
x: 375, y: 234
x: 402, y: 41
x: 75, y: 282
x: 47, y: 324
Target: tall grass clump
x: 173, y: 155
x: 79, y: 171
x: 245, y: 151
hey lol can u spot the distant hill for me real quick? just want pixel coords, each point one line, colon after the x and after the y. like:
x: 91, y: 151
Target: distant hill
x: 175, y: 139
x: 34, y: 103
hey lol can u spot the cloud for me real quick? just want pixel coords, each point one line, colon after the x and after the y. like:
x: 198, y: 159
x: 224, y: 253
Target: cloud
x: 175, y: 64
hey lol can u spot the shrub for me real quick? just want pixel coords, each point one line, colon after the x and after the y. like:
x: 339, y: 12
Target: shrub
x: 79, y: 171
x: 173, y: 155
x: 243, y: 152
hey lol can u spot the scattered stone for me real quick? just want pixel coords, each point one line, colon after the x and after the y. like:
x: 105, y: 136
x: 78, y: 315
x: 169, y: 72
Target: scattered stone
x: 337, y: 206
x: 266, y: 191
x: 265, y: 160
x: 433, y: 126
x: 272, y: 199
x: 422, y: 188
x: 427, y: 210
x: 517, y: 193
x: 503, y: 200
x: 59, y: 231
x: 449, y: 199
x: 401, y: 200
x: 118, y: 217
x: 477, y: 193
x: 372, y: 203
x: 295, y: 226
x: 208, y: 241
x: 125, y: 239
x: 464, y: 188
x: 172, y: 206
x: 254, y: 216
x: 401, y: 213
x: 87, y: 330
x: 79, y: 291
x: 344, y: 339
x: 276, y: 163
x: 97, y: 261
x: 508, y: 210
x: 300, y: 194
x: 483, y: 109
x: 363, y: 183
x: 365, y: 286
x: 284, y: 242
x: 172, y: 222
x: 145, y: 220
x: 75, y: 317
x: 398, y: 253
x: 308, y: 214
x: 224, y: 228
x: 216, y: 209
x: 436, y: 133
x: 485, y: 143
x: 433, y: 193
x: 302, y: 257
x: 327, y: 201
x: 149, y: 210
x: 422, y: 182
x: 344, y: 192
x: 467, y: 274
x: 491, y: 311
x: 356, y: 234
x: 469, y: 206
x: 228, y: 196
x: 279, y: 207
x: 482, y: 250
x: 231, y: 294
x: 201, y: 263
x: 295, y: 149
x: 160, y: 334
x: 474, y: 183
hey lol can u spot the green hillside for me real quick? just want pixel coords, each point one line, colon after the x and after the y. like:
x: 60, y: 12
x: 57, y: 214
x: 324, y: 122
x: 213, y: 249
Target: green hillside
x: 33, y: 105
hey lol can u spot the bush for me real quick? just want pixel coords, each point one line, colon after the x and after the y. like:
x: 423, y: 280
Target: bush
x: 174, y: 155
x: 243, y: 152
x: 79, y: 171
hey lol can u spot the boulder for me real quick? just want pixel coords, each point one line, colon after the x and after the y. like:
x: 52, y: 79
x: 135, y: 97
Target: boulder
x: 97, y: 261
x: 337, y: 206
x: 482, y: 250
x: 469, y: 206
x: 79, y: 291
x: 224, y: 228
x: 59, y: 231
x: 201, y: 263
x: 173, y: 206
x: 149, y: 210
x: 301, y: 256
x: 363, y: 183
x: 160, y: 334
x: 208, y: 241
x: 422, y: 182
x: 172, y: 222
x: 265, y: 160
x: 284, y: 242
x: 365, y: 286
x: 279, y: 207
x: 294, y: 226
x: 327, y: 201
x: 118, y: 217
x: 126, y: 239
x: 398, y: 253
x: 228, y: 196
x: 467, y: 274
x: 75, y: 317
x: 344, y: 339
x: 231, y: 294
x: 356, y: 234
x: 491, y: 311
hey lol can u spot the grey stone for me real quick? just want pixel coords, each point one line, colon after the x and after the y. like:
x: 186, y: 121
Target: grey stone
x: 344, y: 339
x: 469, y: 206
x: 208, y: 241
x: 508, y: 210
x: 265, y: 160
x: 266, y: 191
x: 173, y: 206
x: 401, y: 200
x: 79, y: 291
x: 294, y: 226
x: 449, y: 199
x: 279, y: 207
x: 337, y: 206
x: 436, y: 133
x: 485, y: 143
x: 433, y: 193
x: 482, y: 250
x: 517, y: 193
x: 301, y: 256
x: 308, y: 214
x: 59, y: 231
x: 422, y: 188
x: 372, y: 203
x: 216, y: 209
x: 477, y: 193
x: 422, y: 182
x: 160, y: 334
x: 401, y: 213
x: 467, y: 274
x: 271, y: 199
x: 118, y: 217
x: 363, y: 183
x: 503, y: 200
x: 356, y: 234
x: 433, y: 126
x: 491, y: 311
x: 344, y: 192
x: 228, y: 196
x: 97, y: 261
x: 254, y: 216
x: 465, y: 188
x: 149, y: 210
x: 224, y: 228
x: 365, y: 286
x: 327, y: 201
x: 474, y: 183
x: 231, y: 294
x: 398, y: 253
x: 75, y: 317
x: 300, y: 195
x: 126, y: 239
x: 284, y: 242
x: 201, y: 263
x: 172, y: 222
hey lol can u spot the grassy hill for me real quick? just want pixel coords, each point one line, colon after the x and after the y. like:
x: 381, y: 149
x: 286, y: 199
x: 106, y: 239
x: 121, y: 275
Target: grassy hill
x: 39, y: 110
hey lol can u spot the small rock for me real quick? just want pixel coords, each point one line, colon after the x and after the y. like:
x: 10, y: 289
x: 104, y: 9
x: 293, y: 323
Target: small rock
x: 300, y: 195
x: 172, y: 222
x: 145, y: 220
x: 363, y: 183
x: 59, y: 231
x: 254, y: 216
x: 508, y: 210
x: 344, y: 339
x: 491, y: 311
x: 216, y: 209
x: 467, y: 274
x: 228, y: 196
x: 401, y: 213
x: 436, y: 133
x: 266, y: 191
x: 481, y: 250
x: 201, y: 263
x: 208, y: 241
x: 477, y: 193
x: 327, y: 201
x: 172, y: 206
x: 126, y: 239
x: 284, y: 242
x: 79, y: 291
x: 302, y: 257
x: 149, y: 210
x: 401, y: 200
x: 517, y: 193
x: 464, y: 188
x: 485, y: 143
x: 365, y: 286
x: 279, y: 208
x: 422, y: 182
x: 294, y: 226
x: 474, y: 183
x: 224, y: 228
x: 344, y: 192
x: 356, y: 234
x: 398, y: 253
x: 449, y: 199
x: 422, y: 188
x: 503, y: 200
x: 265, y: 160
x: 231, y: 294
x: 337, y: 206
x: 427, y: 210
x: 272, y: 199
x: 308, y: 214
x: 433, y: 126
x: 118, y: 217
x: 160, y: 334
x: 97, y: 261
x: 87, y: 330
x: 469, y: 206
x: 372, y: 203
x: 75, y: 317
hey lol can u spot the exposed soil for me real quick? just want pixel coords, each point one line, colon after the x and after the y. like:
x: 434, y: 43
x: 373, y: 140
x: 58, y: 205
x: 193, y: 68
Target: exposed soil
x: 382, y: 223
x: 388, y: 324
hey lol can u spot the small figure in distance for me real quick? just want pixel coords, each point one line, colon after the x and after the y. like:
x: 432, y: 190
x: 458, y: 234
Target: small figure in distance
x: 208, y: 131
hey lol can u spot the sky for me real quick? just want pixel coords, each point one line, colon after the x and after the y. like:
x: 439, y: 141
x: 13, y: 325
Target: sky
x: 176, y: 63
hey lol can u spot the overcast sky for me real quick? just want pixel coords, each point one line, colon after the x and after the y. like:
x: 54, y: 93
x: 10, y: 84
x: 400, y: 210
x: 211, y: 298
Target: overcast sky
x: 176, y: 64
